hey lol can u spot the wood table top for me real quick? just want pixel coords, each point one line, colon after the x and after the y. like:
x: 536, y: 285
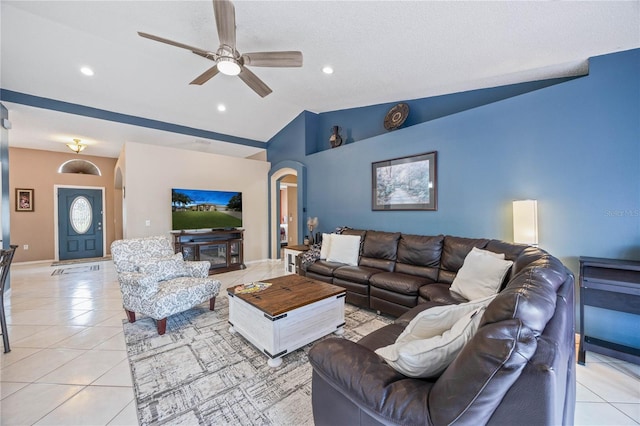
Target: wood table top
x: 298, y: 248
x: 288, y: 293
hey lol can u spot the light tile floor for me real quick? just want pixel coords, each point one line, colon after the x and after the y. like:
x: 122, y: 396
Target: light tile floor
x: 68, y: 364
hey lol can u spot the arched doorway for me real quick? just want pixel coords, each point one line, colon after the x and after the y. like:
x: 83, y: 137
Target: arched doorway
x: 288, y: 211
x: 280, y: 177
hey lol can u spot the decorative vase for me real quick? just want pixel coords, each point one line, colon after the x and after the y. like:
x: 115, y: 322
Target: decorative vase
x: 312, y: 223
x: 335, y: 140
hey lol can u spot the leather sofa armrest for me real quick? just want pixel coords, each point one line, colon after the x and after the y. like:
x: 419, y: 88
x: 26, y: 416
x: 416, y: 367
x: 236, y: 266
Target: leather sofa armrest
x: 363, y: 377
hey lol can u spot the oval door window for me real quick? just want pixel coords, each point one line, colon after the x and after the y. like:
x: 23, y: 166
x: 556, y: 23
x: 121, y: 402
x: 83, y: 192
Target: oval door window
x: 80, y: 214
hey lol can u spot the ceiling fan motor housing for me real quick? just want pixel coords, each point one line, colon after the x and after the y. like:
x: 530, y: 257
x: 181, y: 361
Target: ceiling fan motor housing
x: 228, y: 60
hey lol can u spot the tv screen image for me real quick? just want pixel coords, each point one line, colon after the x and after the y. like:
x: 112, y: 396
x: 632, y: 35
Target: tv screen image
x: 202, y: 209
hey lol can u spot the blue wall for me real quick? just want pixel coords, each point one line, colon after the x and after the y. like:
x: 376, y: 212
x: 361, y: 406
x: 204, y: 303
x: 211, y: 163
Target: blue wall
x: 363, y: 123
x: 573, y: 146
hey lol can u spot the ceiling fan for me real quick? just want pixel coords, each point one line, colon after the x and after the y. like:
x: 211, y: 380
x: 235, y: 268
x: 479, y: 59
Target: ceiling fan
x: 228, y: 60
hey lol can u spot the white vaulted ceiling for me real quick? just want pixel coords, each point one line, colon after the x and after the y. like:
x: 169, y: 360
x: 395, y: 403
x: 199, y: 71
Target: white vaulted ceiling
x: 382, y: 51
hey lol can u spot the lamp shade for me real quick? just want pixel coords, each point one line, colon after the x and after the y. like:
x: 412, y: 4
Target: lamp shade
x: 525, y: 222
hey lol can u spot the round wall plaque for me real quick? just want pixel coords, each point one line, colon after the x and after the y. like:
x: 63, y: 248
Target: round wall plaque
x: 396, y: 116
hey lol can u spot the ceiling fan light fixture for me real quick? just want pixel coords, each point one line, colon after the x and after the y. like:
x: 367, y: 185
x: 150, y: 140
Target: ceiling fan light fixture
x: 87, y: 71
x: 228, y: 66
x: 76, y: 146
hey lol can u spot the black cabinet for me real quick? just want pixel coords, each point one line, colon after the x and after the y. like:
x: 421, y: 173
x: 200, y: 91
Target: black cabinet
x: 610, y: 308
x: 222, y: 248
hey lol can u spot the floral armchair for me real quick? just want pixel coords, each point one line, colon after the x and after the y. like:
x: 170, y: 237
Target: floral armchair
x: 157, y: 282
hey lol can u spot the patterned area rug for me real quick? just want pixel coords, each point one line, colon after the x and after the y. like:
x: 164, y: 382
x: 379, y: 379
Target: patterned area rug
x: 199, y: 373
x: 75, y: 270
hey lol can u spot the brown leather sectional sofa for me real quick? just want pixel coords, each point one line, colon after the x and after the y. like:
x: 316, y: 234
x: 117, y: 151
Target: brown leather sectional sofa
x: 519, y: 367
x: 397, y: 271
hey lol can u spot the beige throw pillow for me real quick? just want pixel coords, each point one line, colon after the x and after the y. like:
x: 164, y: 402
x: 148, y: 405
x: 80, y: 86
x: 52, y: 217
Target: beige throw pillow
x: 344, y: 249
x: 433, y: 339
x: 326, y: 245
x: 481, y: 274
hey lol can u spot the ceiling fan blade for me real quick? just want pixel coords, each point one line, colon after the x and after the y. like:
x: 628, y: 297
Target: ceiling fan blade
x: 273, y: 59
x: 175, y: 43
x: 206, y: 76
x: 225, y: 14
x: 208, y: 55
x: 254, y: 82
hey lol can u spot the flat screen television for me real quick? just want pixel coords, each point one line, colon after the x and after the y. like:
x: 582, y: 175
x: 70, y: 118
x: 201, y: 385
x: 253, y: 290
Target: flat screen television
x: 193, y: 209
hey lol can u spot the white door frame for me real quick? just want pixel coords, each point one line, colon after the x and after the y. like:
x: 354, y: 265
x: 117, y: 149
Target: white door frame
x: 274, y: 226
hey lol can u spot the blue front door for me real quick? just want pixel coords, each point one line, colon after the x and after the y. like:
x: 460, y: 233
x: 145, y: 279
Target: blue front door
x: 79, y: 223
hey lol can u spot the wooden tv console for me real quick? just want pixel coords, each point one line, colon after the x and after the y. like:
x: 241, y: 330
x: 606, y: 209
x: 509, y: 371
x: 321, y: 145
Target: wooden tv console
x: 223, y: 248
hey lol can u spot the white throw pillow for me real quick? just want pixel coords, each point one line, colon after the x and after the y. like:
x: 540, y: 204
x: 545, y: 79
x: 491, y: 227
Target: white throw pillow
x: 326, y: 245
x: 433, y: 339
x: 344, y: 249
x: 481, y: 274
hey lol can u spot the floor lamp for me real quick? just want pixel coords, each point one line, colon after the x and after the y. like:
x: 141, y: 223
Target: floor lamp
x: 525, y: 222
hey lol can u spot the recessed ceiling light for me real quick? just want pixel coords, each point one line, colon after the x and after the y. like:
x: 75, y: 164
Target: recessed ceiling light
x: 327, y: 70
x: 86, y: 71
x: 222, y: 108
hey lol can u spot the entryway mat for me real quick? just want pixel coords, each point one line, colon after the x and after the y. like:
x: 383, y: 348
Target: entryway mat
x: 75, y: 270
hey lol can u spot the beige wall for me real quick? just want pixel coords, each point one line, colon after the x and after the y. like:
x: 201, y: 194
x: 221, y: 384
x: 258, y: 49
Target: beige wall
x: 292, y: 207
x: 149, y: 172
x: 37, y: 170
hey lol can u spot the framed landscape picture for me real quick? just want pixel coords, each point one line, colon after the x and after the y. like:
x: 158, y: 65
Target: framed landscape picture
x: 408, y: 183
x: 24, y: 200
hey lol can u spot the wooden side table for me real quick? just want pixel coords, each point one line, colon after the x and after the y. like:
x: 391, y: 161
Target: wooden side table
x: 291, y: 262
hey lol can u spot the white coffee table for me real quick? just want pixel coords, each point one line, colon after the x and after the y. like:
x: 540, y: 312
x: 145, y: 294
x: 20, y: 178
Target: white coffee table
x: 291, y: 313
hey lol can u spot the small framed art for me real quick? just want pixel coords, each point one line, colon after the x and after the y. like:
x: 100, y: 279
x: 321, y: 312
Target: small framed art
x: 408, y: 183
x: 24, y: 200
